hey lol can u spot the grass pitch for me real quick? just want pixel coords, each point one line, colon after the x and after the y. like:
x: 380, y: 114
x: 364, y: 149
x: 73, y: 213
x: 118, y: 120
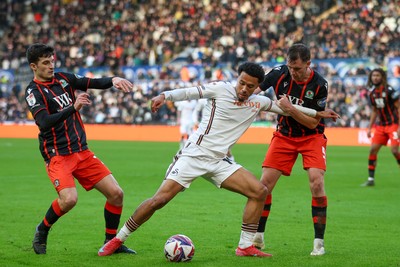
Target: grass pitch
x: 362, y: 226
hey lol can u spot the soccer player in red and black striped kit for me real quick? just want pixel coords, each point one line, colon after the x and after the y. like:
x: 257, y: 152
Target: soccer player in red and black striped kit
x: 385, y: 106
x: 54, y: 102
x: 297, y: 83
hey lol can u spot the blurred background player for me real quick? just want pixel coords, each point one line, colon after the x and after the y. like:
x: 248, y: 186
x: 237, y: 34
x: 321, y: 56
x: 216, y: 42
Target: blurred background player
x: 187, y: 119
x: 297, y: 134
x: 386, y: 108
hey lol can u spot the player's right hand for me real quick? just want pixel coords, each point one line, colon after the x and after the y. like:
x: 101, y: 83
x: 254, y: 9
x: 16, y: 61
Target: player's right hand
x: 82, y: 100
x: 157, y: 102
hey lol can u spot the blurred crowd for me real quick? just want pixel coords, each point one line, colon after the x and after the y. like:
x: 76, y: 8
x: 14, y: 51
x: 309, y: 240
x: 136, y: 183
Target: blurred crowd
x: 95, y: 33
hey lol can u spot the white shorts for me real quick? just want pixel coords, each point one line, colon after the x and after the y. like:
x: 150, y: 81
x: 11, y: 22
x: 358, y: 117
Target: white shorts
x: 186, y: 128
x: 191, y: 162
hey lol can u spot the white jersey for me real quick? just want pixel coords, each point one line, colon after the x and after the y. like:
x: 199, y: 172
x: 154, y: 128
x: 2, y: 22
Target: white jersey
x: 187, y: 116
x: 224, y: 118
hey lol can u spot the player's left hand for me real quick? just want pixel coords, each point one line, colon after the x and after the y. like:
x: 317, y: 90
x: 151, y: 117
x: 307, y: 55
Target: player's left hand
x: 328, y: 114
x: 284, y: 104
x: 122, y: 84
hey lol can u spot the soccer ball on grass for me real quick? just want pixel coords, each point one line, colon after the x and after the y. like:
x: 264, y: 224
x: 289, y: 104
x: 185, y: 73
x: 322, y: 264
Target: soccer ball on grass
x: 179, y: 248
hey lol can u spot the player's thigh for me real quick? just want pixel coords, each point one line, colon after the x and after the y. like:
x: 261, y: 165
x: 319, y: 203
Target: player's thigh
x: 281, y: 155
x: 60, y: 169
x: 393, y: 136
x: 313, y: 151
x: 244, y: 182
x: 91, y: 170
x: 185, y: 169
x: 109, y: 187
x: 381, y: 136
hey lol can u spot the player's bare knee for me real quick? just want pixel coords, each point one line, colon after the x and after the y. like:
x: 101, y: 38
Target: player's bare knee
x: 68, y: 202
x: 117, y: 196
x: 261, y: 193
x: 317, y: 187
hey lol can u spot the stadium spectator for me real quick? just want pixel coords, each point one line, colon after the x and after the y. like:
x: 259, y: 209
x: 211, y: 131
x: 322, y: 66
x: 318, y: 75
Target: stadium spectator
x: 230, y: 111
x: 103, y: 33
x: 298, y: 134
x: 123, y: 33
x: 385, y: 102
x: 54, y: 100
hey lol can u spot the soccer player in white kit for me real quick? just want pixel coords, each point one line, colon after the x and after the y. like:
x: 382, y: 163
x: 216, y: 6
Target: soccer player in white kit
x: 187, y: 117
x: 228, y: 114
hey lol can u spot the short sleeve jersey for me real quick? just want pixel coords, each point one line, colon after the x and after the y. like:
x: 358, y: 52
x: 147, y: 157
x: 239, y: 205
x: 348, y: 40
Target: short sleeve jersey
x: 311, y: 94
x: 384, y: 99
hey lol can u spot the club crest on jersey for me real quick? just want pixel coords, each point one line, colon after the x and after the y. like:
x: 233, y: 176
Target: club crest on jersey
x: 31, y: 99
x: 309, y: 94
x: 63, y: 83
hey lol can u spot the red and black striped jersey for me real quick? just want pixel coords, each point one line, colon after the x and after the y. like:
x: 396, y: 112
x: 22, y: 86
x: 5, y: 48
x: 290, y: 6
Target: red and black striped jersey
x: 311, y: 94
x: 384, y: 99
x: 51, y: 104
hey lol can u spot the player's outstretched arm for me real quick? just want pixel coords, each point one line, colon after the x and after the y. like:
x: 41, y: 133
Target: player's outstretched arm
x: 122, y: 84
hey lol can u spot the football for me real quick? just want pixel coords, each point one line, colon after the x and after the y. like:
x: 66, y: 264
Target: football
x: 179, y: 248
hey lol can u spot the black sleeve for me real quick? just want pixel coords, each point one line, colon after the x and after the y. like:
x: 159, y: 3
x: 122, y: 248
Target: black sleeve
x: 45, y: 120
x: 84, y: 83
x: 271, y: 78
x: 100, y: 83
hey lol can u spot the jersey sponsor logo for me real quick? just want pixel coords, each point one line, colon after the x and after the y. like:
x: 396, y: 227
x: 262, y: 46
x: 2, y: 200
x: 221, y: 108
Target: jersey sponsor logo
x: 63, y: 101
x: 380, y: 102
x: 247, y: 103
x: 31, y: 99
x: 295, y: 100
x: 63, y: 83
x: 309, y: 94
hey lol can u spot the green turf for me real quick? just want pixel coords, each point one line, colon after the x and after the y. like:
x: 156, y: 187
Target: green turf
x: 362, y: 227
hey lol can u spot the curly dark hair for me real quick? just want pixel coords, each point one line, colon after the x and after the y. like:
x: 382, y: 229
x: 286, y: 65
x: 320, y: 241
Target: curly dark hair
x: 252, y: 69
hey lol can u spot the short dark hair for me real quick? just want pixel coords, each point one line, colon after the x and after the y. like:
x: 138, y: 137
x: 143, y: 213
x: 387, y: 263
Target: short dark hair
x: 299, y: 51
x: 384, y: 77
x: 36, y: 51
x: 252, y: 69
